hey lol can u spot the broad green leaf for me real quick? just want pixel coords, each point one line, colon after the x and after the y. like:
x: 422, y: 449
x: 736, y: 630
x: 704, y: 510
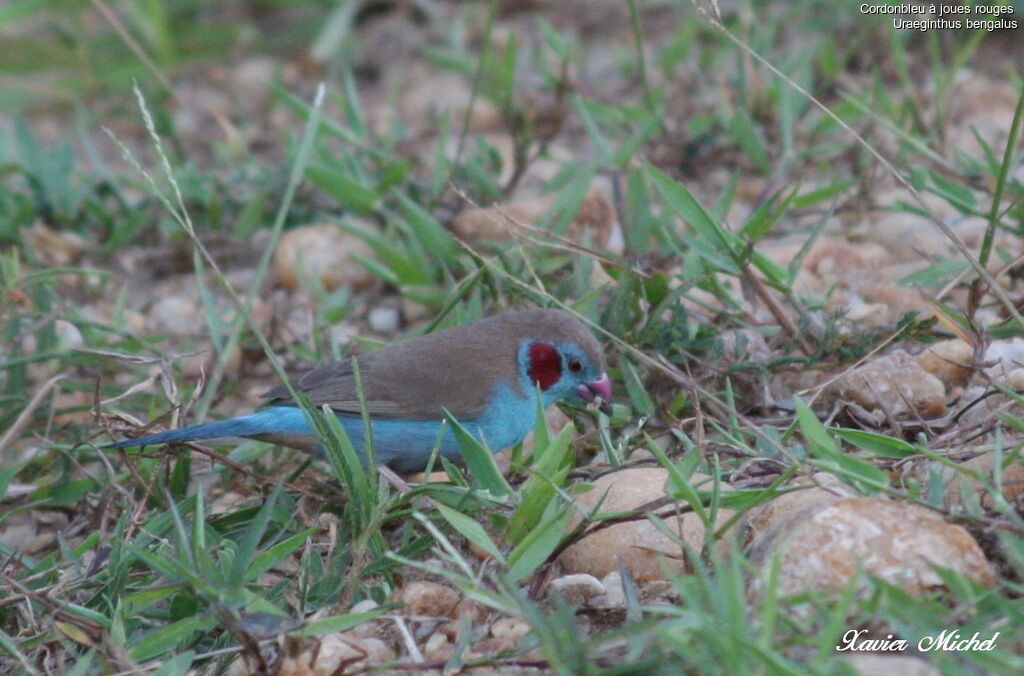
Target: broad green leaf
x: 954, y: 193
x: 479, y: 460
x: 85, y: 613
x: 264, y: 561
x: 147, y: 598
x: 809, y: 199
x: 776, y: 273
x: 396, y: 263
x: 75, y: 633
x: 166, y: 640
x: 471, y: 530
x: 251, y: 537
x: 165, y: 566
x: 176, y: 666
x: 569, y: 199
x: 552, y: 465
x: 339, y: 623
x: 538, y: 544
x: 379, y: 269
x: 251, y: 218
x: 639, y: 219
x: 828, y: 455
x: 343, y: 188
x: 879, y: 444
x: 555, y: 40
x: 721, y: 259
x: 767, y: 215
x: 642, y: 401
x: 64, y: 492
x: 346, y: 463
x: 686, y: 206
x: 742, y: 127
x: 449, y: 59
x: 643, y: 131
x: 677, y: 484
x: 7, y: 474
x: 20, y: 9
x: 435, y: 239
x: 934, y: 275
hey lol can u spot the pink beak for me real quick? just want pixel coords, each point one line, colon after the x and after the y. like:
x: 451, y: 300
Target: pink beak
x: 602, y: 387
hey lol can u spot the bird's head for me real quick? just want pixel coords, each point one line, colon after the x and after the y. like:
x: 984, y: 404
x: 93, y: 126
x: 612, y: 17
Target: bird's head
x: 564, y: 360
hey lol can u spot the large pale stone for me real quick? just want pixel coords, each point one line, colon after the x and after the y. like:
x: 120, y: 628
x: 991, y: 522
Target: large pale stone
x: 639, y: 543
x: 825, y: 489
x: 823, y: 546
x: 321, y: 253
x: 949, y: 361
x: 894, y: 383
x: 428, y: 598
x: 595, y: 215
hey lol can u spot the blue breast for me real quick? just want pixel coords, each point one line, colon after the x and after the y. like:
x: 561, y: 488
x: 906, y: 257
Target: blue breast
x: 404, y: 445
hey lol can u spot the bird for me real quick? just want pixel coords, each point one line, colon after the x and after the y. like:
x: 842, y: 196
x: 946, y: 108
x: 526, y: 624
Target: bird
x: 485, y: 373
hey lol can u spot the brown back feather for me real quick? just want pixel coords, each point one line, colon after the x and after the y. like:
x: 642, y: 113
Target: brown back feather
x: 454, y: 368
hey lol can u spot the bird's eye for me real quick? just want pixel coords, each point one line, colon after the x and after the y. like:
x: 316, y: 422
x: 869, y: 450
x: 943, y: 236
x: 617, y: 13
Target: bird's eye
x: 575, y: 365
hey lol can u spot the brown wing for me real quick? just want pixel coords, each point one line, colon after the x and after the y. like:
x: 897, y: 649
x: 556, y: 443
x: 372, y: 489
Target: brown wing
x: 455, y: 368
x: 335, y: 386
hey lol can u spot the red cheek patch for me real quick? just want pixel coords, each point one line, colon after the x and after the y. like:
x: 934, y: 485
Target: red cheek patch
x: 545, y: 365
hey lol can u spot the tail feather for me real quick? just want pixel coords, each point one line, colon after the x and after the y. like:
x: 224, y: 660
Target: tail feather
x: 273, y: 420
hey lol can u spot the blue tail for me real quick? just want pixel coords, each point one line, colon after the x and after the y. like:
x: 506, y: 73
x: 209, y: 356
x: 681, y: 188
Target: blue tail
x: 278, y: 421
x: 403, y: 445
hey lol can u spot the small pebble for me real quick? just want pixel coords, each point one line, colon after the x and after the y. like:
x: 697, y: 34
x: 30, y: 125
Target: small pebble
x: 511, y: 629
x: 384, y: 320
x: 428, y: 599
x: 437, y: 643
x: 614, y: 593
x: 576, y: 588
